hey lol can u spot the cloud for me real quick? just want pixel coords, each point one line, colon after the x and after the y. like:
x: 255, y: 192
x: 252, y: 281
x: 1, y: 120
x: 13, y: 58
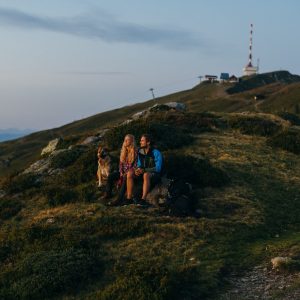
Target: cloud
x: 96, y: 73
x: 103, y: 27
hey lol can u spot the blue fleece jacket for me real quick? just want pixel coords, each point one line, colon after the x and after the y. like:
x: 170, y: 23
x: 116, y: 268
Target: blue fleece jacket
x: 151, y: 161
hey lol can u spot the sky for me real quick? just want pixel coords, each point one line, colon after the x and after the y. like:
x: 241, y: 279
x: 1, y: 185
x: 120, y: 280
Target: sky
x: 64, y: 60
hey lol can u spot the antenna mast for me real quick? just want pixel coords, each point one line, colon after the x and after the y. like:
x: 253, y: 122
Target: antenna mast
x: 152, y: 91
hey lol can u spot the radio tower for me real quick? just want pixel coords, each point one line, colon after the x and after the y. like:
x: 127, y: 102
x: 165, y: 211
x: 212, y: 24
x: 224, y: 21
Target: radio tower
x: 250, y: 69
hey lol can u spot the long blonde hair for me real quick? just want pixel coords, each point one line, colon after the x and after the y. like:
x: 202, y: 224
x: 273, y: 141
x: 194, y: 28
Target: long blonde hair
x: 128, y: 154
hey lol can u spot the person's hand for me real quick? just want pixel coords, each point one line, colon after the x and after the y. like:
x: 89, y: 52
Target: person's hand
x: 138, y: 171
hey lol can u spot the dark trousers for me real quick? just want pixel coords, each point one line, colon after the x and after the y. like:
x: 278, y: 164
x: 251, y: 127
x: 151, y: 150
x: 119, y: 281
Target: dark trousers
x: 111, y: 180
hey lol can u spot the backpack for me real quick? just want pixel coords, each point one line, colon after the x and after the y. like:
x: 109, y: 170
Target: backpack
x: 180, y: 201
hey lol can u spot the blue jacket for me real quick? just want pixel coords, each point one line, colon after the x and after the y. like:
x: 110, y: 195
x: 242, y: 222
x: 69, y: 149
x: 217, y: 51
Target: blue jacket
x: 150, y: 162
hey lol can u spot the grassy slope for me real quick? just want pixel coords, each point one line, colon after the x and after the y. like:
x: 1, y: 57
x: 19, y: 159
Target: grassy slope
x: 145, y: 255
x: 25, y: 150
x: 281, y: 94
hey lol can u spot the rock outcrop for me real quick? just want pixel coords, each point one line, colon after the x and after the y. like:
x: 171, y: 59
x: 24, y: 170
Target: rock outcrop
x: 52, y: 146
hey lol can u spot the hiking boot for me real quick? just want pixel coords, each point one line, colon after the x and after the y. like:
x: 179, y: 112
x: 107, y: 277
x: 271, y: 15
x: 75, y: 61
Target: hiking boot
x: 128, y: 202
x: 142, y: 203
x: 116, y: 202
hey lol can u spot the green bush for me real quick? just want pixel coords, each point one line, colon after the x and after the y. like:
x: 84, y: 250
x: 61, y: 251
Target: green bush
x: 83, y: 170
x: 68, y: 141
x: 255, y: 125
x: 292, y: 118
x: 65, y: 158
x: 165, y: 136
x: 288, y: 140
x: 22, y: 182
x: 47, y: 274
x: 194, y: 170
x: 9, y: 208
x: 192, y: 122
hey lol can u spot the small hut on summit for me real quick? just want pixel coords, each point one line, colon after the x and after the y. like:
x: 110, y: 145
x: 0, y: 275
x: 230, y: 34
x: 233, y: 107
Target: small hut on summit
x: 233, y: 79
x: 211, y: 78
x: 224, y: 77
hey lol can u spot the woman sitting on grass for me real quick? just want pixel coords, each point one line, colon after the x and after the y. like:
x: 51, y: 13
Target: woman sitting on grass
x: 128, y: 159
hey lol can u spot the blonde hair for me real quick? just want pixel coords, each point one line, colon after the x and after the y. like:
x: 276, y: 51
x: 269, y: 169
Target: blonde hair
x: 128, y: 154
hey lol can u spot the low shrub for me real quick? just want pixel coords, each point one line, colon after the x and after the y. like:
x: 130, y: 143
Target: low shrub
x: 47, y: 274
x: 292, y: 118
x: 20, y: 183
x: 194, y: 170
x: 192, y: 121
x: 9, y: 208
x: 165, y: 136
x: 68, y: 141
x: 288, y: 140
x: 154, y: 279
x: 83, y: 169
x: 256, y: 125
x: 64, y: 158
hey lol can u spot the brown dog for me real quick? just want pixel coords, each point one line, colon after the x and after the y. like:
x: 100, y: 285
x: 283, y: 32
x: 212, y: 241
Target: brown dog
x: 104, y: 165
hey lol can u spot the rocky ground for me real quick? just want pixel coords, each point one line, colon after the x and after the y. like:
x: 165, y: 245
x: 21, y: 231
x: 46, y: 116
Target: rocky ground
x: 263, y: 283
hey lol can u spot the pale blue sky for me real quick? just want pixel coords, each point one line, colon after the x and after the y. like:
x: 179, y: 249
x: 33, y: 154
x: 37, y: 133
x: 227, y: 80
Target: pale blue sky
x: 62, y: 60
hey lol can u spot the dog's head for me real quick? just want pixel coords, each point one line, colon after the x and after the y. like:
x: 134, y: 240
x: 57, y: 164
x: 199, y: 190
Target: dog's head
x: 102, y: 152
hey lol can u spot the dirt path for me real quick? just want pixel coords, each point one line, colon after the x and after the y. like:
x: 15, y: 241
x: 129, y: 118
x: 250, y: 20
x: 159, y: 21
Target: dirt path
x: 262, y: 283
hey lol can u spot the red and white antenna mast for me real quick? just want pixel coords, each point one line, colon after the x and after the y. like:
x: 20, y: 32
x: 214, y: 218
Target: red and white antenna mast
x: 250, y: 69
x: 250, y: 46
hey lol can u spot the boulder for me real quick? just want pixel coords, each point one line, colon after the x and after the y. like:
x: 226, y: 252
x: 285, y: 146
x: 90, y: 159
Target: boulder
x: 279, y: 261
x: 168, y: 106
x: 158, y: 107
x: 39, y: 167
x: 159, y: 194
x: 91, y: 140
x: 42, y: 166
x: 52, y: 146
x: 177, y: 106
x: 175, y: 196
x: 139, y: 114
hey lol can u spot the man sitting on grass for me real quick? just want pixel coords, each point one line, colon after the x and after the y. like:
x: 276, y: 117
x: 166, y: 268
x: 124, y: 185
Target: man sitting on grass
x: 149, y: 167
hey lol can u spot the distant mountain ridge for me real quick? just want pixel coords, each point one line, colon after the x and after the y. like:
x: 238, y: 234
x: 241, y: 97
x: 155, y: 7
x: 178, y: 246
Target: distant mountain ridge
x: 13, y: 133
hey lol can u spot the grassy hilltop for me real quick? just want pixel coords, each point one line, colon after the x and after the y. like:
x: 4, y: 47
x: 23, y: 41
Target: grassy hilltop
x: 280, y: 91
x: 59, y: 241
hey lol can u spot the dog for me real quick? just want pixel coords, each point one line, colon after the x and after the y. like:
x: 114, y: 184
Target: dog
x: 104, y: 165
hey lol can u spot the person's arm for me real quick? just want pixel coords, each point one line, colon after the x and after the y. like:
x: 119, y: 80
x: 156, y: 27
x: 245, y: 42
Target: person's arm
x: 121, y: 168
x: 158, y: 162
x: 138, y: 163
